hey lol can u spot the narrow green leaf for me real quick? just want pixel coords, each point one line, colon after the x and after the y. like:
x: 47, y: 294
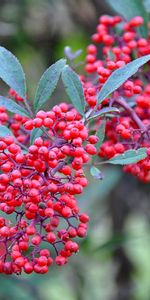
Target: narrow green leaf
x: 74, y: 89
x: 101, y: 133
x: 129, y: 9
x: 4, y: 131
x: 96, y: 173
x: 118, y: 77
x: 48, y: 83
x: 11, y: 72
x: 12, y: 106
x: 129, y: 157
x: 35, y: 133
x: 104, y: 111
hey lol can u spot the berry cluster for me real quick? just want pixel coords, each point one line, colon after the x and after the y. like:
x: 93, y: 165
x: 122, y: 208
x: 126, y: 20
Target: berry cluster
x: 131, y: 128
x: 117, y: 49
x: 39, y: 188
x: 15, y: 124
x: 41, y: 164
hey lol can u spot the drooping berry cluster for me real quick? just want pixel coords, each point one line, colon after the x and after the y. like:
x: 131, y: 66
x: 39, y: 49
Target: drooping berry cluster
x: 131, y: 128
x: 38, y: 187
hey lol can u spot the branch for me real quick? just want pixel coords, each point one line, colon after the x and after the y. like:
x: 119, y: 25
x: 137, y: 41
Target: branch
x: 132, y: 113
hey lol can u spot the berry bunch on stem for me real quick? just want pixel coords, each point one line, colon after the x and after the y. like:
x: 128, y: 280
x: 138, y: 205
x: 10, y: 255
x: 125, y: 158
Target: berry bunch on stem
x: 39, y: 188
x: 43, y: 153
x: 131, y: 128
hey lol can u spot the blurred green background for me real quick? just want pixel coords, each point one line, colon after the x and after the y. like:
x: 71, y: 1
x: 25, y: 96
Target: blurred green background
x: 114, y: 261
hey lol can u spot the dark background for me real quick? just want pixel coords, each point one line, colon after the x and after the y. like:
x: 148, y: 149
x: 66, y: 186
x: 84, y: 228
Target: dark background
x: 114, y: 260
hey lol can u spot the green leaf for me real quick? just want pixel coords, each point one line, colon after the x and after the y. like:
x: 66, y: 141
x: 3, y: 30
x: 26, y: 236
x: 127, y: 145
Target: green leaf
x: 36, y: 132
x: 101, y: 133
x: 96, y: 173
x: 129, y: 157
x: 11, y: 72
x: 129, y: 9
x: 48, y: 83
x: 118, y: 77
x: 104, y: 111
x: 4, y: 131
x: 12, y: 106
x: 74, y: 89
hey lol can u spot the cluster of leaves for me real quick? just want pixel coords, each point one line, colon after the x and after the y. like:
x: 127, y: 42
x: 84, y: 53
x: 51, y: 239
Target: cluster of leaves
x: 12, y: 74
